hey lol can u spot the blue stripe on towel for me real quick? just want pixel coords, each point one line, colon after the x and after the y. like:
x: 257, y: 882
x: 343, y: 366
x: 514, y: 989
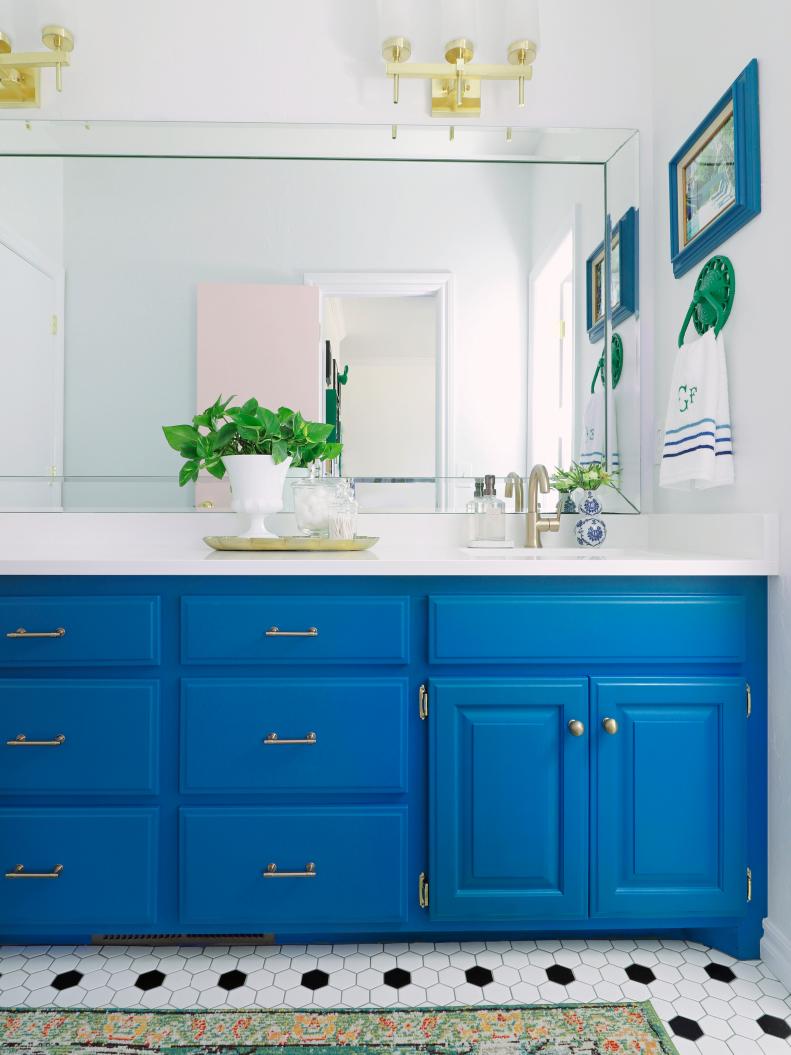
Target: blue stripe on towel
x: 691, y: 425
x: 691, y: 450
x: 723, y: 454
x: 686, y: 439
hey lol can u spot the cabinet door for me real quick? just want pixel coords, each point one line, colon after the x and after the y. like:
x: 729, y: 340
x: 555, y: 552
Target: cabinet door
x: 670, y: 796
x: 508, y: 786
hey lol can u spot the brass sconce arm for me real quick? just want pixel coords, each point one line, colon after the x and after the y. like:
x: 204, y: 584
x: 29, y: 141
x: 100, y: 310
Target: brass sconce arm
x: 20, y: 70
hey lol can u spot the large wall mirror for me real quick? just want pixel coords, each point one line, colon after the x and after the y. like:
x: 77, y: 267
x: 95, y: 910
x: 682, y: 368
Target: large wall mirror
x: 459, y: 308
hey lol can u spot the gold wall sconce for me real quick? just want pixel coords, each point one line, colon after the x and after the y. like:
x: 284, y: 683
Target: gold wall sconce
x: 20, y: 71
x: 456, y: 83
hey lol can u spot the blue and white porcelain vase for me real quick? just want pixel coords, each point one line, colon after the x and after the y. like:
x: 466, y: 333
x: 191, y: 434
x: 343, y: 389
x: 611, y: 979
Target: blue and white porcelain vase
x: 590, y: 528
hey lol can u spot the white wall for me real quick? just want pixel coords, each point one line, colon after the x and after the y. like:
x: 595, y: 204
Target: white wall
x: 31, y: 203
x: 690, y: 77
x: 388, y: 404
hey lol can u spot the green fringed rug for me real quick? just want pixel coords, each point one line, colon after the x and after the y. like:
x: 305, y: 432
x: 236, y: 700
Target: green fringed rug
x: 581, y: 1029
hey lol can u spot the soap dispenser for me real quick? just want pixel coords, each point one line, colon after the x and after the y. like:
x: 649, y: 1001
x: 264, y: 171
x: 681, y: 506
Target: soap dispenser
x: 491, y: 518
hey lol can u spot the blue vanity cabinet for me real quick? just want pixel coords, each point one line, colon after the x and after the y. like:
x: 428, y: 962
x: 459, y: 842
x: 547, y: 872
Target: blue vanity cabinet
x: 508, y: 788
x: 670, y: 792
x: 448, y: 727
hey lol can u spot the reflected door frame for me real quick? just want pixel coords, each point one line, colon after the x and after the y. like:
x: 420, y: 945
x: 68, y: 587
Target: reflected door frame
x: 409, y: 284
x: 31, y: 254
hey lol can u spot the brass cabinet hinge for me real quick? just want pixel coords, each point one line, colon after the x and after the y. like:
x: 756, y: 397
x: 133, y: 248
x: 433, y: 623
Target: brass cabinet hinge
x: 53, y: 326
x: 422, y: 890
x: 422, y: 702
x: 749, y: 884
x: 562, y: 328
x: 749, y: 699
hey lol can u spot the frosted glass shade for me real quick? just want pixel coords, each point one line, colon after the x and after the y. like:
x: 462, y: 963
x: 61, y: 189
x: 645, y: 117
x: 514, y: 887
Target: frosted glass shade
x: 522, y: 20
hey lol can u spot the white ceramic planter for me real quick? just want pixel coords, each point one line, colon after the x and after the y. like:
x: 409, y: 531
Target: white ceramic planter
x: 256, y: 490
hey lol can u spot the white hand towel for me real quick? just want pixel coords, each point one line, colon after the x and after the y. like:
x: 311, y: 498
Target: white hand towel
x: 698, y: 452
x: 595, y: 421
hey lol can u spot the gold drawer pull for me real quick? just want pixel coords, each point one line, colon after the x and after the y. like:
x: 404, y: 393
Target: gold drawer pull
x: 21, y: 632
x: 272, y: 872
x: 20, y: 873
x: 275, y: 631
x: 273, y: 738
x: 22, y: 741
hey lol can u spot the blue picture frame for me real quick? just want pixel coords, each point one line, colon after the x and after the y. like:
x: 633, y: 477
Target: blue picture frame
x: 624, y: 260
x: 740, y: 101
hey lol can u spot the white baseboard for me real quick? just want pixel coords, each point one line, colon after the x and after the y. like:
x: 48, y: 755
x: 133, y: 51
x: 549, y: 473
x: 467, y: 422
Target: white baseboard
x: 776, y: 952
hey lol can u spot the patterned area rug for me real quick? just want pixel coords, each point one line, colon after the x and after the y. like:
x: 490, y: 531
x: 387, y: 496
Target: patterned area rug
x: 583, y: 1029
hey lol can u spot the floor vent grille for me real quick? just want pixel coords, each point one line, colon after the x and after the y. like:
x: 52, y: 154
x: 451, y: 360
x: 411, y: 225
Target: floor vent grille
x: 182, y: 939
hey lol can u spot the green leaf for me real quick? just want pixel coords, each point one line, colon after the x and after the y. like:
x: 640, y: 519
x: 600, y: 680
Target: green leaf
x: 250, y: 407
x: 179, y: 436
x: 189, y: 471
x: 268, y: 421
x: 331, y: 452
x: 216, y: 467
x: 223, y: 437
x: 279, y: 451
x: 284, y: 414
x: 317, y: 432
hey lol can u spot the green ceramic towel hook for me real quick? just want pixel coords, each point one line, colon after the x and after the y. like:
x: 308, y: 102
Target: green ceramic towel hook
x: 616, y: 362
x: 712, y: 298
x: 344, y: 377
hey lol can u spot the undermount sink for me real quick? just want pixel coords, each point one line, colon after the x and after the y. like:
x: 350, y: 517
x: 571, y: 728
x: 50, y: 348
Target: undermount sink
x: 548, y: 553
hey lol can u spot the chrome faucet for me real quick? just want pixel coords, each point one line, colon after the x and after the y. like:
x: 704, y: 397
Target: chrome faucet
x: 536, y: 523
x: 514, y: 486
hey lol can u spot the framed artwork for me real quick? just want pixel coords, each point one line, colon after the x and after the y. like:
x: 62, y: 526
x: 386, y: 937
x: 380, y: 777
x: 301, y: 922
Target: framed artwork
x: 715, y: 176
x: 623, y: 276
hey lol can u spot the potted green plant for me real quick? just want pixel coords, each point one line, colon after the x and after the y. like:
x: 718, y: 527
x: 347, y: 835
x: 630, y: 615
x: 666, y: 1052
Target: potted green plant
x: 256, y: 447
x: 590, y: 530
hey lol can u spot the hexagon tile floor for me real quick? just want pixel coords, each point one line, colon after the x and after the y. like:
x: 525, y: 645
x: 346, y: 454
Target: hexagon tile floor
x: 710, y: 1003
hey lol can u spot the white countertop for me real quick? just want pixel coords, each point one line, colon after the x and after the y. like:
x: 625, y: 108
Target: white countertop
x: 172, y: 544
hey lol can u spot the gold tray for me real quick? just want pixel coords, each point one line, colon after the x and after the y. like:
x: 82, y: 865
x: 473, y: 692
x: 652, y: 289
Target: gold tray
x: 291, y: 543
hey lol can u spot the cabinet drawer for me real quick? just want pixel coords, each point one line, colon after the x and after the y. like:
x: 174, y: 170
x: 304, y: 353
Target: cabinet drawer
x: 294, y: 630
x: 79, y: 631
x: 358, y: 856
x: 79, y: 736
x: 575, y: 628
x: 351, y: 735
x: 105, y: 861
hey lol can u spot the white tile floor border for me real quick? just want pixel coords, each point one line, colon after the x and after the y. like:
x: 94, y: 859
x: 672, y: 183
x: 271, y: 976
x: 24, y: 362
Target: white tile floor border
x: 710, y: 1003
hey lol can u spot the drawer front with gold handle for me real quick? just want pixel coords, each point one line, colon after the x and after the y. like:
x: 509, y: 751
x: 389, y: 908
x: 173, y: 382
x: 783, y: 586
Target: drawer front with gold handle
x: 79, y: 631
x: 105, y: 742
x: 106, y: 868
x: 356, y: 729
x: 314, y: 853
x: 299, y: 630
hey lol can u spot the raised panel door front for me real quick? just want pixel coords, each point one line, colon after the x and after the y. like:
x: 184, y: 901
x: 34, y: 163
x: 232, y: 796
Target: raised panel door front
x: 508, y: 799
x: 669, y: 786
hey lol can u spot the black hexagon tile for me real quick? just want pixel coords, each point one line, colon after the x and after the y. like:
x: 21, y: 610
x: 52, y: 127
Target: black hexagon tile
x: 774, y: 1026
x: 150, y: 980
x: 559, y: 974
x: 67, y: 980
x: 719, y: 972
x: 478, y: 975
x: 685, y: 1027
x: 638, y: 972
x: 231, y: 980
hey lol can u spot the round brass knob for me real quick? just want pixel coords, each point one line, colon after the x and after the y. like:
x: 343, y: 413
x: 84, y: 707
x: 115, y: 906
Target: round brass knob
x: 609, y: 725
x: 576, y: 727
